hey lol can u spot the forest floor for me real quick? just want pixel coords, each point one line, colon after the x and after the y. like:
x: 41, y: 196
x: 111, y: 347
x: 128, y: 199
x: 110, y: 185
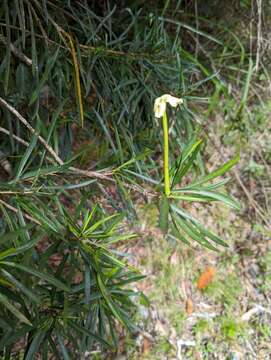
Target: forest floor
x: 202, y: 304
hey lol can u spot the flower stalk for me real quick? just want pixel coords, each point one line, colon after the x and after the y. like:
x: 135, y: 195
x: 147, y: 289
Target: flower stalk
x: 166, y: 155
x: 160, y: 111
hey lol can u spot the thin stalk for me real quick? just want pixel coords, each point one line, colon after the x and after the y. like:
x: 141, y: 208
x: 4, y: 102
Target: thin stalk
x: 166, y: 155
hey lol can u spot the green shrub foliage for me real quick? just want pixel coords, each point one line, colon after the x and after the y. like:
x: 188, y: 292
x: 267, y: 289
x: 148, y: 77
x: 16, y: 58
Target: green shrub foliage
x: 79, y: 144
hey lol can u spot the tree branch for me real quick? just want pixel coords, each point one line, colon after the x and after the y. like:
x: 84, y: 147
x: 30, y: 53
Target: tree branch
x: 16, y: 51
x: 101, y: 175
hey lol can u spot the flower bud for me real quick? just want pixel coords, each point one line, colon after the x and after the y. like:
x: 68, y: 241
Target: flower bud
x: 160, y: 104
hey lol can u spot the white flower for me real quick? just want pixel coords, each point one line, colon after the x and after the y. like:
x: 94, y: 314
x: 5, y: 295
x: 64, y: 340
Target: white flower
x: 160, y: 104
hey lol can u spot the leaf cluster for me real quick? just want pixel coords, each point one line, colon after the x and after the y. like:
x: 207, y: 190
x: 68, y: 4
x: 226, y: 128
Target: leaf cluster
x: 203, y: 189
x: 63, y: 285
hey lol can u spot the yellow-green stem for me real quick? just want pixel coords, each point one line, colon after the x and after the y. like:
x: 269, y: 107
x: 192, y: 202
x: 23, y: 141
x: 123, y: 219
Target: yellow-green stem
x: 166, y: 155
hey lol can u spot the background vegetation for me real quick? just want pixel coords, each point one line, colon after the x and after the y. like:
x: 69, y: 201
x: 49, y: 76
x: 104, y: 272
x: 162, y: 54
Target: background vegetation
x: 81, y: 180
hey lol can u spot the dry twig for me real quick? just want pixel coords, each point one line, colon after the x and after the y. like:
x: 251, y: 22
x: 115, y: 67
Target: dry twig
x: 16, y: 211
x: 16, y: 51
x: 20, y: 140
x: 95, y: 174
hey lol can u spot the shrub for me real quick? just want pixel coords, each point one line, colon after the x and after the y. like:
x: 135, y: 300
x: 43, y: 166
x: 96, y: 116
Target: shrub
x: 77, y: 85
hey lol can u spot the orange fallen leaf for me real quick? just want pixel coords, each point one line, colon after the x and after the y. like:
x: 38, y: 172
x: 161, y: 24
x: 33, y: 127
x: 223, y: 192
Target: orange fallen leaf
x: 206, y: 277
x: 189, y: 306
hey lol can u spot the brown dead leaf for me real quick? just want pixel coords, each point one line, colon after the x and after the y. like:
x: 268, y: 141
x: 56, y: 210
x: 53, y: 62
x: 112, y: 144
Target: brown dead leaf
x: 146, y: 345
x: 206, y: 277
x: 189, y: 307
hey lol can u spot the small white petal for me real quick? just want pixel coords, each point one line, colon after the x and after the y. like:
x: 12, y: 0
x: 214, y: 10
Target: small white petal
x: 159, y: 107
x: 173, y: 101
x: 160, y: 104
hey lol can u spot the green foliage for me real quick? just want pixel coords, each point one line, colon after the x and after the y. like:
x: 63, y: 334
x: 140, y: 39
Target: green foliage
x: 77, y: 76
x: 80, y: 287
x: 185, y: 226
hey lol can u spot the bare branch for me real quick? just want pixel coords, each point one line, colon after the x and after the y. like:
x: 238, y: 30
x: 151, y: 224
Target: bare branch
x: 16, y: 51
x: 102, y: 175
x: 20, y: 140
x: 16, y: 211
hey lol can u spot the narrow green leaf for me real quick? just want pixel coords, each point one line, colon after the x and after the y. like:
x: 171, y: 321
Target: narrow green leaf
x: 43, y: 276
x: 5, y: 301
x: 190, y: 28
x: 26, y: 156
x: 218, y: 172
x: 21, y: 287
x: 210, y: 234
x: 186, y: 162
x: 12, y: 337
x: 95, y: 226
x: 87, y: 332
x: 198, y: 225
x: 8, y: 46
x: 44, y: 78
x: 33, y: 42
x: 12, y: 236
x: 216, y: 185
x: 38, y: 214
x: 63, y: 348
x: 205, y: 195
x: 196, y: 236
x: 88, y: 217
x: 35, y: 344
x: 114, y: 239
x: 107, y: 298
x: 19, y: 250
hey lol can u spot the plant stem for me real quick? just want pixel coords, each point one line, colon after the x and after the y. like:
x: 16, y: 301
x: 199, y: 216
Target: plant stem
x: 166, y: 155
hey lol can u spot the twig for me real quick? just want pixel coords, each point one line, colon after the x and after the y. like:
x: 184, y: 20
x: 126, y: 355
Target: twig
x: 76, y: 170
x: 32, y: 130
x: 253, y: 203
x: 254, y: 311
x: 20, y: 140
x: 117, y: 54
x: 95, y: 174
x: 255, y: 206
x: 106, y: 175
x: 16, y: 211
x: 16, y: 51
x: 10, y: 192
